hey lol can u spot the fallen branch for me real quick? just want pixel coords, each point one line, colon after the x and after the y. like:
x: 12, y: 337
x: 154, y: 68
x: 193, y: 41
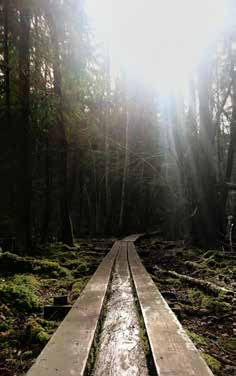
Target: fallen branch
x: 204, y: 285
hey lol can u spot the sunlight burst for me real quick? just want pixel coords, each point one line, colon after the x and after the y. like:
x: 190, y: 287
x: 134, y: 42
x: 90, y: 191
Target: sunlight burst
x: 157, y: 42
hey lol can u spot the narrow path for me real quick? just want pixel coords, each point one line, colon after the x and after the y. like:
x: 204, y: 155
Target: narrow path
x: 132, y: 238
x: 120, y: 350
x: 70, y: 351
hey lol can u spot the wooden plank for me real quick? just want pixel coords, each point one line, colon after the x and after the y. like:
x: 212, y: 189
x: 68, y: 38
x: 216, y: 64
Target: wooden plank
x: 68, y: 350
x: 173, y: 352
x: 122, y: 267
x: 132, y: 238
x: 120, y: 351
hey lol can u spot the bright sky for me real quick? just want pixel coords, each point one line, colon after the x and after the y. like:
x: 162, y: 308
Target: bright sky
x: 158, y: 42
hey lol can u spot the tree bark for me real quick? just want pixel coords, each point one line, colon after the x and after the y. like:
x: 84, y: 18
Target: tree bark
x: 8, y: 104
x: 6, y: 59
x: 47, y: 201
x: 24, y: 138
x: 207, y: 223
x: 232, y: 142
x: 107, y: 149
x: 125, y: 172
x: 66, y: 233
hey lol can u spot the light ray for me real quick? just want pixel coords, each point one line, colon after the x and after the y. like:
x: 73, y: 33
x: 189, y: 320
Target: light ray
x: 158, y: 42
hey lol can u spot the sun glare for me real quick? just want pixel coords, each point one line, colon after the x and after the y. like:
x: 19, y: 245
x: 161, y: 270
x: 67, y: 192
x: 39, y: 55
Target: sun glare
x: 157, y: 42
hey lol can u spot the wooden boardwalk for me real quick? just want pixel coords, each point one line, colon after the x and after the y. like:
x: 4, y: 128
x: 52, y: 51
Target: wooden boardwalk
x: 68, y: 353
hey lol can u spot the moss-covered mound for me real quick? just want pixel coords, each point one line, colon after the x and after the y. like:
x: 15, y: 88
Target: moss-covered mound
x: 19, y: 293
x: 38, y: 330
x: 12, y: 263
x: 29, y: 283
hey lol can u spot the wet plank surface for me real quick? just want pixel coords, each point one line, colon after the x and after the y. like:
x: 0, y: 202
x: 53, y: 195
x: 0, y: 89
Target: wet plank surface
x: 132, y: 238
x: 67, y: 352
x: 120, y: 349
x: 173, y: 352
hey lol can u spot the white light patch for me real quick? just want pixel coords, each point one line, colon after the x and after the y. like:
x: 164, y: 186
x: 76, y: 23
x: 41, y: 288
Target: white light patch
x: 158, y: 42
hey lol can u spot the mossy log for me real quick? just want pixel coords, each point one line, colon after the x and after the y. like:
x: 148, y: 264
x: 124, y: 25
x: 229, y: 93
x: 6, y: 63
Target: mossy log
x: 207, y: 286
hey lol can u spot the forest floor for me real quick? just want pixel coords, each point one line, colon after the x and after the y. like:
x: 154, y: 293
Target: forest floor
x: 191, y: 280
x: 204, y: 309
x: 27, y: 284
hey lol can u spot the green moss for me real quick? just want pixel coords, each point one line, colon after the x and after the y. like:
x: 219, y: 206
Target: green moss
x: 143, y: 339
x: 212, y: 363
x: 215, y: 304
x: 73, y: 259
x: 213, y: 258
x: 77, y: 287
x: 59, y: 252
x: 27, y: 355
x: 195, y: 296
x: 28, y: 280
x: 172, y: 281
x: 19, y: 293
x: 38, y: 331
x: 197, y: 340
x: 11, y: 263
x: 67, y: 248
x: 35, y: 333
x: 4, y: 326
x: 228, y: 343
x: 92, y: 356
x: 50, y: 268
x: 79, y: 265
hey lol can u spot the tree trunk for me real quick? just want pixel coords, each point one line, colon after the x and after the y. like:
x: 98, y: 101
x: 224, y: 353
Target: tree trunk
x: 8, y: 104
x: 24, y: 139
x: 208, y: 218
x: 232, y: 142
x: 6, y: 59
x: 125, y: 172
x: 47, y: 201
x: 107, y: 150
x: 66, y: 233
x: 73, y: 177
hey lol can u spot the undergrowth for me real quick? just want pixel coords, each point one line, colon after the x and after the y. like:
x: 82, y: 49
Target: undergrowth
x: 29, y: 283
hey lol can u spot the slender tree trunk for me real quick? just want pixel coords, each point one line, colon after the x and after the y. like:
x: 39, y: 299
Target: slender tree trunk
x: 125, y: 173
x: 96, y: 192
x: 48, y: 178
x: 208, y: 219
x: 232, y: 142
x: 107, y: 150
x: 193, y: 146
x: 8, y: 102
x: 66, y: 233
x: 6, y: 60
x: 231, y: 150
x: 47, y: 201
x: 74, y: 177
x: 24, y: 138
x: 107, y: 178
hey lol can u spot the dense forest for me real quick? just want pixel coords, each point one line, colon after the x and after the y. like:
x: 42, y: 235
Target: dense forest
x: 85, y: 153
